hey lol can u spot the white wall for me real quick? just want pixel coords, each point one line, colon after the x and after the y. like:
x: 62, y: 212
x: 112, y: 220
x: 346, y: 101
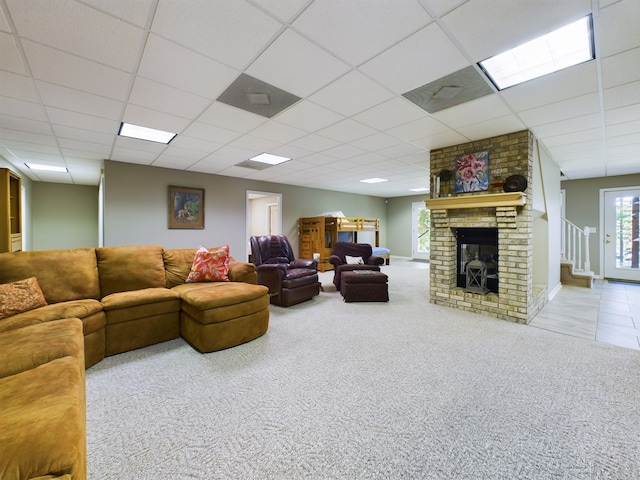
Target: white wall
x: 546, y: 226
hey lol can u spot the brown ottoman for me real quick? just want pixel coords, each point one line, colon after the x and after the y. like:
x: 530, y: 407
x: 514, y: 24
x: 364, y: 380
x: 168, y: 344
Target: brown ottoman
x: 364, y: 286
x: 219, y: 315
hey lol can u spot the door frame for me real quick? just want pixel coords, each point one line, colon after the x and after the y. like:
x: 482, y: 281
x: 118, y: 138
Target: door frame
x: 601, y: 236
x: 251, y: 195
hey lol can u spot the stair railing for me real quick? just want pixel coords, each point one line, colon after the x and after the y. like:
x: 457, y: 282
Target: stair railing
x: 575, y: 243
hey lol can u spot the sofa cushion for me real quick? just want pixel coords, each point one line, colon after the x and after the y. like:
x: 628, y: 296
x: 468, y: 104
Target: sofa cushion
x: 63, y: 275
x: 83, y: 309
x: 43, y: 421
x: 25, y: 348
x: 131, y: 267
x: 20, y: 296
x: 210, y: 266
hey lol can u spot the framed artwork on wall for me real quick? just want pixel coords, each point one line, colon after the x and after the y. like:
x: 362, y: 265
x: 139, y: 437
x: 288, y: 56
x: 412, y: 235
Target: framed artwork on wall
x: 472, y: 172
x: 186, y: 207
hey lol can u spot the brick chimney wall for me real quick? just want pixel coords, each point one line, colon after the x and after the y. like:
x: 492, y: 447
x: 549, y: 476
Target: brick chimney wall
x: 508, y: 155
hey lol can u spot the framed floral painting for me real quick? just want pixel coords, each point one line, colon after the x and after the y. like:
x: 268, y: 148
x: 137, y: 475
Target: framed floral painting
x: 186, y: 207
x: 471, y: 172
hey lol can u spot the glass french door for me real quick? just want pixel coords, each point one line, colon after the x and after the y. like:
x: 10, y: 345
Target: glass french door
x: 621, y: 234
x: 421, y: 231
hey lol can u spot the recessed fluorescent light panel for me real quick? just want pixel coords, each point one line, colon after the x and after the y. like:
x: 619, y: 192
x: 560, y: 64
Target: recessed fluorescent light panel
x: 560, y: 49
x: 145, y: 133
x: 423, y: 189
x: 374, y: 180
x: 46, y: 168
x: 269, y: 159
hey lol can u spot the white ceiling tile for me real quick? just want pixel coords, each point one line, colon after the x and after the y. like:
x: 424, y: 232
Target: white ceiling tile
x: 231, y: 118
x: 492, y: 127
x: 10, y: 57
x: 347, y: 131
x: 577, y: 124
x: 440, y: 140
x: 356, y: 32
x: 82, y: 134
x: 87, y: 32
x: 308, y: 116
x: 618, y: 27
x: 475, y: 111
x: 85, y: 155
x: 620, y: 69
x: 18, y: 86
x: 192, y: 146
x: 571, y: 139
x: 278, y: 132
x: 416, y: 129
x: 20, y: 108
x: 291, y: 63
x: 376, y: 142
x: 231, y: 32
x: 216, y: 135
x: 25, y: 125
x: 79, y: 145
x: 184, y: 69
x: 571, y: 82
x: 391, y: 113
x: 338, y: 96
x: 344, y: 151
x: 254, y: 145
x: 315, y: 143
x: 553, y: 112
x: 155, y: 96
x: 62, y: 68
x: 622, y: 114
x: 181, y: 162
x: 69, y: 118
x: 136, y: 12
x: 286, y: 10
x: 622, y: 95
x: 82, y: 102
x: 413, y: 62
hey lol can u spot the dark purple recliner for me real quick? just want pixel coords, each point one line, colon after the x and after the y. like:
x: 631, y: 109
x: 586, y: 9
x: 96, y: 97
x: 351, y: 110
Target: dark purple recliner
x: 290, y: 281
x: 339, y: 261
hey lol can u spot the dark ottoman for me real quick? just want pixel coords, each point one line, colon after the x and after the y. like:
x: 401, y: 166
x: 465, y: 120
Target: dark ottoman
x: 364, y: 286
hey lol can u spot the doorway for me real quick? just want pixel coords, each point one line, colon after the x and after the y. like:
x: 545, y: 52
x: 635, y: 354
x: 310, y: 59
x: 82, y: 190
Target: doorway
x: 264, y: 215
x: 621, y: 235
x: 420, y: 231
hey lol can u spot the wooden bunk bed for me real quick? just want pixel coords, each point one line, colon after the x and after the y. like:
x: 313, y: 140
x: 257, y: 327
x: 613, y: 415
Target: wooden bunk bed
x: 318, y: 234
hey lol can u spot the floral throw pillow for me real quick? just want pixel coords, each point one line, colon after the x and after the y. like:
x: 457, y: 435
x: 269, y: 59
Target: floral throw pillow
x: 210, y: 266
x: 20, y: 296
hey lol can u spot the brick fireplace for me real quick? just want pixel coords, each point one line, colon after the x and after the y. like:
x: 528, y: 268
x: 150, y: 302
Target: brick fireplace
x: 509, y: 213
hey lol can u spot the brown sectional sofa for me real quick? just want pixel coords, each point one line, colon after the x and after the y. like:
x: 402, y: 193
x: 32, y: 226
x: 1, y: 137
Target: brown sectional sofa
x: 129, y: 297
x: 101, y: 302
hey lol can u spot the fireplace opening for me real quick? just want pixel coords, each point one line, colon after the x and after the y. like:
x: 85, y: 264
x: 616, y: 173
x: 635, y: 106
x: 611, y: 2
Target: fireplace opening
x: 477, y: 248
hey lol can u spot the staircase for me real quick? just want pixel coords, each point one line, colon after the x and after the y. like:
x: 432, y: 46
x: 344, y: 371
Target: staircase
x: 573, y: 270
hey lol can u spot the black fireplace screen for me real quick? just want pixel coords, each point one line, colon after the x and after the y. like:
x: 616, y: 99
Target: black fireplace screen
x: 478, y: 244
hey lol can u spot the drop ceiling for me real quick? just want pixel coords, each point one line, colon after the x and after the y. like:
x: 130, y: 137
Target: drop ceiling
x: 71, y: 71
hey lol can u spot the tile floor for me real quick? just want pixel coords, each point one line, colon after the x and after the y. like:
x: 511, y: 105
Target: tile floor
x: 609, y: 312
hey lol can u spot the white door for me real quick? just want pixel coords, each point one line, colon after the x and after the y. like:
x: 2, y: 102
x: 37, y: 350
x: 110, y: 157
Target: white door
x: 620, y: 234
x: 421, y: 231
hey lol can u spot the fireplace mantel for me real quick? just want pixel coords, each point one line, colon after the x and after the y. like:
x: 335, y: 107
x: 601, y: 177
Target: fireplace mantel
x: 510, y: 199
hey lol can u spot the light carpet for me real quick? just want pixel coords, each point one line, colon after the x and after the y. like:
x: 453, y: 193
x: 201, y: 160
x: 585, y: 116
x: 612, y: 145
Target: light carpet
x: 398, y: 390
